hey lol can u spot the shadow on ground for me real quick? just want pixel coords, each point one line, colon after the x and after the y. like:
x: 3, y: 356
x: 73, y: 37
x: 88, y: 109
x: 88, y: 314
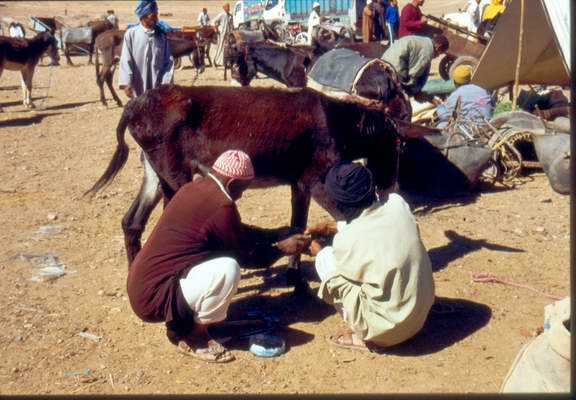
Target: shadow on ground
x: 459, y: 246
x: 71, y: 105
x: 20, y: 102
x: 272, y: 315
x: 35, y: 119
x: 449, y: 321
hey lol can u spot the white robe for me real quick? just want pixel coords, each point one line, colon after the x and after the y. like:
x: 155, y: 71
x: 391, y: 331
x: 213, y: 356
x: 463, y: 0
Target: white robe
x: 313, y: 21
x: 225, y: 26
x: 134, y: 69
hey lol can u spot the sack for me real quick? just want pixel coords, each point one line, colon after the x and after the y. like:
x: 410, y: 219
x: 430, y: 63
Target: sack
x: 543, y: 365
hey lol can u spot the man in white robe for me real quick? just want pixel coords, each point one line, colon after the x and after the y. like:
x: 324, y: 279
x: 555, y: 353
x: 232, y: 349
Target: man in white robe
x: 313, y: 21
x: 146, y: 61
x: 225, y: 25
x: 377, y: 272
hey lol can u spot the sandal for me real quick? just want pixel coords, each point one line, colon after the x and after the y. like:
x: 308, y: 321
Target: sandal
x: 215, y: 352
x: 346, y: 341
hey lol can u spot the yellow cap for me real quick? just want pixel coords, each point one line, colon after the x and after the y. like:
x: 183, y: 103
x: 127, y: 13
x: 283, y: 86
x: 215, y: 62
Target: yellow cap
x: 462, y: 74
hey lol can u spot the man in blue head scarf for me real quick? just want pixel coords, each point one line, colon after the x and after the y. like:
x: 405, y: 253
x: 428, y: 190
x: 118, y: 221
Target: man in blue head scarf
x: 146, y: 61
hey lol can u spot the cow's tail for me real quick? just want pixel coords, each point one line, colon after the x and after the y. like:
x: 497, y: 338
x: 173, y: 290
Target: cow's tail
x: 118, y: 159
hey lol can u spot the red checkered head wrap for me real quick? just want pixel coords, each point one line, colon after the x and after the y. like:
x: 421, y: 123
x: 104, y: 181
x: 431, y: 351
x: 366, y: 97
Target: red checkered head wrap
x: 234, y: 164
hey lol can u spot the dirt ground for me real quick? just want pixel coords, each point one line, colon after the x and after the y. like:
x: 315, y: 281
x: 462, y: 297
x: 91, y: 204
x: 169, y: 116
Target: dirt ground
x: 50, y: 156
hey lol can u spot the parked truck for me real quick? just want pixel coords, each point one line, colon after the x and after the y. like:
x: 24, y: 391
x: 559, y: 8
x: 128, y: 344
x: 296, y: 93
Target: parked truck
x: 290, y: 17
x: 247, y: 13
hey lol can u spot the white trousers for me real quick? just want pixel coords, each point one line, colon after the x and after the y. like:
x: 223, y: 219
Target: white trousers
x: 209, y: 287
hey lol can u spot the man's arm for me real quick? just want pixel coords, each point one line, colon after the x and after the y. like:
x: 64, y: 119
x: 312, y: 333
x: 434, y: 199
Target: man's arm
x: 126, y: 65
x: 250, y: 245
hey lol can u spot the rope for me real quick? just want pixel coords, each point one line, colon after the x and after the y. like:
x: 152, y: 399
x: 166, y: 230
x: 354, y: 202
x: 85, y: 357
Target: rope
x: 50, y: 72
x: 484, y: 277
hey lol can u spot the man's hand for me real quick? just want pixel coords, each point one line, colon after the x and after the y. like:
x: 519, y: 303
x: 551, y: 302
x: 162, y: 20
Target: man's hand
x: 295, y: 244
x: 314, y: 248
x: 325, y: 228
x: 424, y: 20
x: 129, y: 92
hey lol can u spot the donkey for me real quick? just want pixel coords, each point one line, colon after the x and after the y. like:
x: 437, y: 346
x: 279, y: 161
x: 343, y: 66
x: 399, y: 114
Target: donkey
x: 86, y: 34
x: 23, y: 55
x: 109, y: 44
x: 292, y: 136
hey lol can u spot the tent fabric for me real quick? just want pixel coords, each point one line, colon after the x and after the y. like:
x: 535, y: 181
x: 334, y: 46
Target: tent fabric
x: 546, y: 49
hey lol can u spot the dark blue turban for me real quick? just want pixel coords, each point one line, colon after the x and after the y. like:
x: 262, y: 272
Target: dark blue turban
x: 145, y: 7
x: 350, y: 184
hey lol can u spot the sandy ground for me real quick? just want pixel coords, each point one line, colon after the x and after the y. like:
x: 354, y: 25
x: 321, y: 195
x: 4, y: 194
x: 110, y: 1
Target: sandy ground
x: 50, y: 156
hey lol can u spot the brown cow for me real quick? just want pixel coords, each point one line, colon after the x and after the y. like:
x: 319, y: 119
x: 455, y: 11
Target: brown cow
x: 292, y: 136
x: 109, y: 44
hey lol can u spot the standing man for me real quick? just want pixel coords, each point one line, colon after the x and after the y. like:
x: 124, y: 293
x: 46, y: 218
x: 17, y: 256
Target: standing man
x: 189, y: 268
x: 224, y: 24
x: 146, y: 61
x: 203, y: 18
x: 411, y: 58
x: 392, y: 20
x: 377, y: 273
x: 367, y: 22
x: 475, y: 102
x: 411, y: 19
x: 379, y: 19
x: 313, y: 22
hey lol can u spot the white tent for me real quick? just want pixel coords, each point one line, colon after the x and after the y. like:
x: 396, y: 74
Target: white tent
x: 545, y: 51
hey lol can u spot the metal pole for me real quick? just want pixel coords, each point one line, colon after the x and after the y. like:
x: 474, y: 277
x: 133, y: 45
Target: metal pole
x: 519, y: 59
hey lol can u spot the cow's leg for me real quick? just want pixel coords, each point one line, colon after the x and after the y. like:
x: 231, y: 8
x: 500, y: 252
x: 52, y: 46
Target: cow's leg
x: 91, y: 49
x: 100, y: 78
x: 135, y: 219
x: 109, y: 81
x: 27, y: 74
x: 300, y: 206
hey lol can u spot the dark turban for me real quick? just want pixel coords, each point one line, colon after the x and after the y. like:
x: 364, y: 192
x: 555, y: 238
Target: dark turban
x: 145, y: 7
x: 350, y: 184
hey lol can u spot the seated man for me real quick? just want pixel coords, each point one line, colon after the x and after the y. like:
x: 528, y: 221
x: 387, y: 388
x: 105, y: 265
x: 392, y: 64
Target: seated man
x: 189, y: 268
x: 411, y: 58
x: 377, y: 272
x: 475, y: 102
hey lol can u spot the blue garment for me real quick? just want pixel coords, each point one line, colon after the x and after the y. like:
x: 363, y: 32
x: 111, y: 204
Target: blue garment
x: 392, y: 16
x: 145, y: 7
x: 476, y: 104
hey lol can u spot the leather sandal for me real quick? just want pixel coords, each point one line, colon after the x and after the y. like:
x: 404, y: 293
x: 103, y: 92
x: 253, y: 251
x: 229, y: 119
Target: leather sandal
x: 346, y: 341
x: 215, y: 352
